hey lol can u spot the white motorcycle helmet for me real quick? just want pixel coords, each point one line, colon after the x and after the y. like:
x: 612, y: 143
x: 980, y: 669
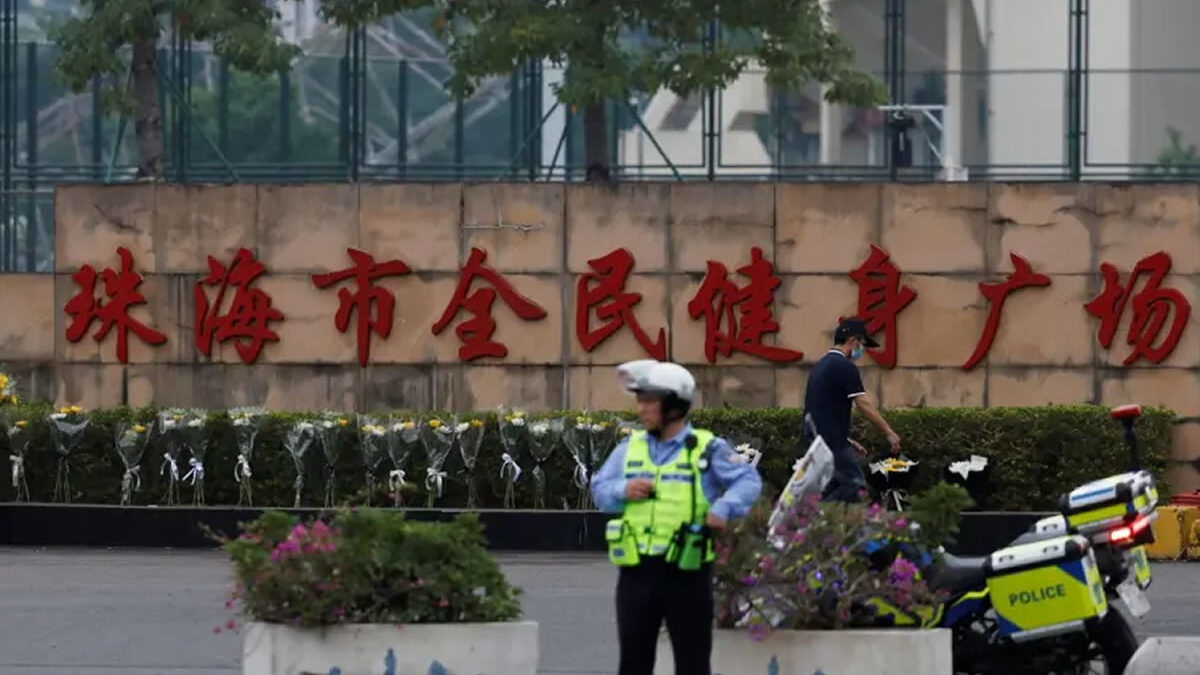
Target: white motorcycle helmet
x: 671, y: 383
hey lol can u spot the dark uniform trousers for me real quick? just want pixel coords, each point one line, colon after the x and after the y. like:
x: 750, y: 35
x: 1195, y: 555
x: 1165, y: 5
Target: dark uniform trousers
x: 652, y: 592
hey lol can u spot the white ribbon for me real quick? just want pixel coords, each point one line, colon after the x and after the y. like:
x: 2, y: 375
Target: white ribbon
x: 197, y: 471
x: 171, y: 463
x: 434, y: 477
x: 18, y: 467
x: 132, y: 479
x: 509, y: 461
x: 395, y: 480
x: 581, y: 474
x: 241, y: 469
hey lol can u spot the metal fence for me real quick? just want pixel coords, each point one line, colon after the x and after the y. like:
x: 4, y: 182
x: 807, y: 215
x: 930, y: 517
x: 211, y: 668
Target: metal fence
x: 369, y: 106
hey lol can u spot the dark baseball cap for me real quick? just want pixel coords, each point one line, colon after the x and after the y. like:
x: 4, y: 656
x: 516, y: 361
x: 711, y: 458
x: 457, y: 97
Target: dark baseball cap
x: 856, y: 328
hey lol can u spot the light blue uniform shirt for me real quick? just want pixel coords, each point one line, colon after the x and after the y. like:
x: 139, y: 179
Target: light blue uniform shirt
x: 731, y: 487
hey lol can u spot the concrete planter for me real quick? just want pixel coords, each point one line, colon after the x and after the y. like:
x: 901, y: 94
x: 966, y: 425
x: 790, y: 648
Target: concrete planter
x: 509, y: 648
x: 833, y: 652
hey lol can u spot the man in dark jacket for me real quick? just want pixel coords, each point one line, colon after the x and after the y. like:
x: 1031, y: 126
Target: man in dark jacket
x: 834, y: 385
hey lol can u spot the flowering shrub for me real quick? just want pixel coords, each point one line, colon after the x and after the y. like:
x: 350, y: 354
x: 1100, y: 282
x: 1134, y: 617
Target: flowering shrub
x: 828, y: 566
x: 367, y: 566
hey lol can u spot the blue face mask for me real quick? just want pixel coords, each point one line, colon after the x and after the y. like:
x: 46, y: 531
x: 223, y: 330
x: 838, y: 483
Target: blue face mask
x: 856, y: 352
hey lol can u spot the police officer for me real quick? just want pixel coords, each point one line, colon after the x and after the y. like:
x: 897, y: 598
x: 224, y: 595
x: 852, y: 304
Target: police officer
x: 676, y: 487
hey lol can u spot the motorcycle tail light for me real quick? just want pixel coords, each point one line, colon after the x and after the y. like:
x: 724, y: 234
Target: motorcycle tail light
x: 1126, y: 534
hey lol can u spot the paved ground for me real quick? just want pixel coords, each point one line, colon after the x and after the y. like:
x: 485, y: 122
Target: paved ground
x: 97, y: 612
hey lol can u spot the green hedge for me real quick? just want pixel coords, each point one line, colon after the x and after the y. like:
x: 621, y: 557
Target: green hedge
x: 1036, y: 453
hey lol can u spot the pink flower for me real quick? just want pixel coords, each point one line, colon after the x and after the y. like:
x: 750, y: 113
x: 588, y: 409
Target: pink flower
x: 443, y: 603
x: 320, y: 529
x: 309, y: 549
x: 339, y: 612
x: 231, y: 624
x: 216, y: 630
x: 229, y: 604
x: 300, y: 531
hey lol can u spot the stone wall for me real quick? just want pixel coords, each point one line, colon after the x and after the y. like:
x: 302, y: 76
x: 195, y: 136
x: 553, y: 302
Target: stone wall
x: 944, y: 238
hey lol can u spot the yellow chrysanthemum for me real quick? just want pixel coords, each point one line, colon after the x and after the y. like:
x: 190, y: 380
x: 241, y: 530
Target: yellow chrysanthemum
x: 508, y: 418
x: 343, y: 422
x: 435, y: 423
x: 139, y: 428
x: 476, y: 423
x: 76, y: 409
x: 22, y: 424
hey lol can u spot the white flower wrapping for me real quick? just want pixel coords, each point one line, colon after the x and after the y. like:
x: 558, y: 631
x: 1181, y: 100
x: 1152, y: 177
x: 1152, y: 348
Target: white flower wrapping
x: 58, y: 416
x: 968, y: 466
x: 462, y: 426
x: 196, y: 423
x: 540, y: 429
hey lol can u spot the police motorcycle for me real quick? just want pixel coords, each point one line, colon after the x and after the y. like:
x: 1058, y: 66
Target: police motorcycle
x: 1041, y: 605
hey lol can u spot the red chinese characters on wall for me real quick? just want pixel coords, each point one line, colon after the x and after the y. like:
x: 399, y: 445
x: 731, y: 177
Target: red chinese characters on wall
x: 737, y: 318
x: 602, y: 292
x: 881, y: 298
x: 737, y: 314
x: 250, y: 312
x: 1152, y: 306
x: 121, y: 289
x: 373, y: 304
x: 476, y: 332
x: 1022, y: 276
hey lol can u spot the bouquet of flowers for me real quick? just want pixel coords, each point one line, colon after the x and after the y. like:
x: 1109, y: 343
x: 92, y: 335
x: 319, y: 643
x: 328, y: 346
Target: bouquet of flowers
x: 402, y: 438
x: 892, y: 477
x: 589, y: 441
x: 18, y: 433
x: 438, y: 438
x: 973, y: 474
x: 67, y: 429
x: 748, y: 448
x: 171, y: 430
x: 8, y: 390
x: 195, y: 439
x: 329, y: 434
x: 514, y: 433
x: 298, y: 442
x: 246, y: 424
x: 469, y: 436
x: 131, y: 441
x: 372, y: 442
x: 544, y: 437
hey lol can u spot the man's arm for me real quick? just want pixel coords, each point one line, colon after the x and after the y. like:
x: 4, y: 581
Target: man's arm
x: 608, y: 485
x: 740, y: 482
x: 867, y: 406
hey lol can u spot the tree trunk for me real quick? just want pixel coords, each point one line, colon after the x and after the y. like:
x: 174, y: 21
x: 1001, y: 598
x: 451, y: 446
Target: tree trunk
x: 595, y: 142
x: 147, y: 116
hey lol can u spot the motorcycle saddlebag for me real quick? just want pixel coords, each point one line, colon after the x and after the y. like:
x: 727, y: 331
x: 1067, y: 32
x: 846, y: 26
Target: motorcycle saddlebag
x: 1096, y: 507
x: 1045, y: 587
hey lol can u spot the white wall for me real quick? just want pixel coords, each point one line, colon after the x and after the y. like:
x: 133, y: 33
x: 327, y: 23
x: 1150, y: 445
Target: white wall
x: 1026, y: 109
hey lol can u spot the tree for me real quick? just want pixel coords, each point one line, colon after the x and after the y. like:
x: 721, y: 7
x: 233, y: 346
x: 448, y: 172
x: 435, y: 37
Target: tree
x: 118, y: 39
x: 1175, y: 159
x: 255, y: 130
x: 614, y: 48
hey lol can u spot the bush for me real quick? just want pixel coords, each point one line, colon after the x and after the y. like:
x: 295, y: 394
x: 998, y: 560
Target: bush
x: 827, y: 567
x: 1035, y: 455
x: 368, y: 566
